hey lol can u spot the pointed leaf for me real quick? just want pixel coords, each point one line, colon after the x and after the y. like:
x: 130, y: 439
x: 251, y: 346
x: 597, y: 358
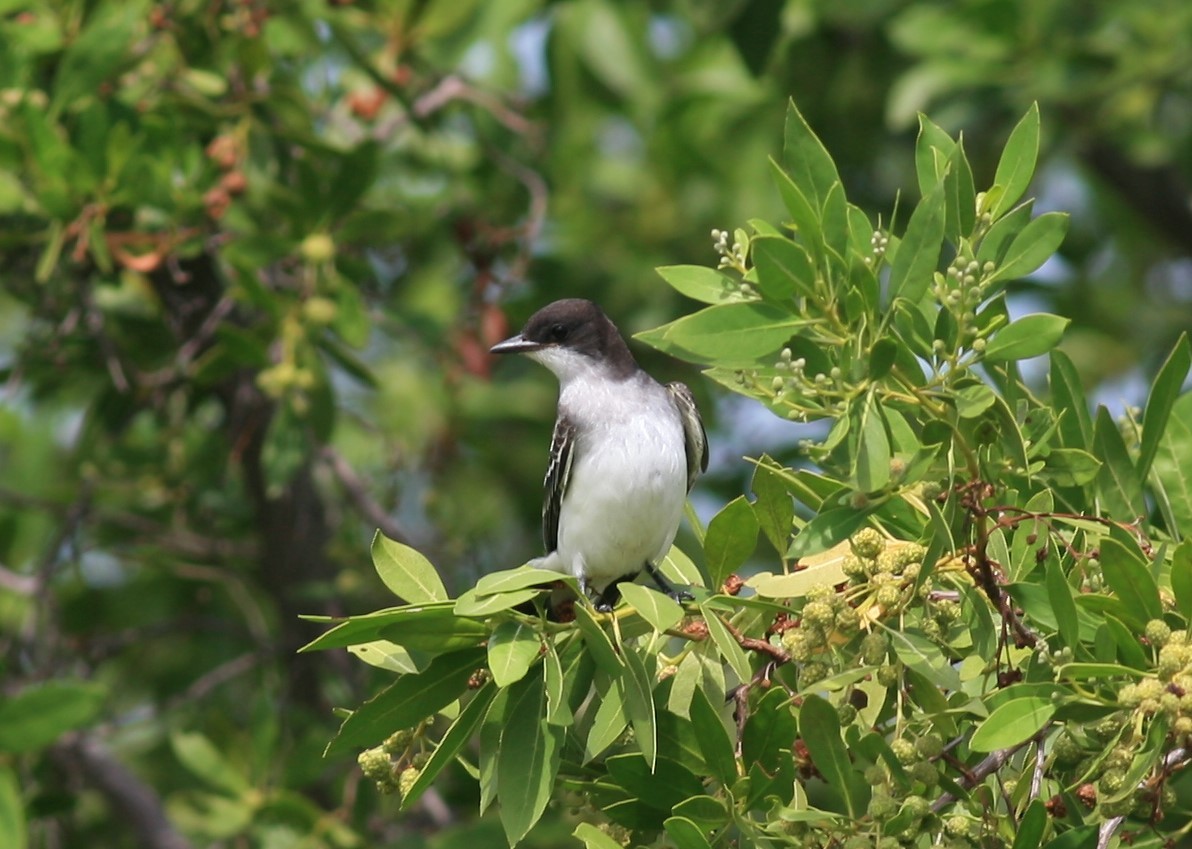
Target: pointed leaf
x: 1067, y: 393
x: 520, y: 578
x: 727, y: 333
x: 730, y: 539
x: 406, y: 573
x: 807, y: 160
x: 1062, y: 603
x: 700, y: 283
x: 872, y: 471
x: 729, y: 648
x: 784, y: 268
x: 1127, y: 574
x: 1118, y: 486
x: 407, y: 701
x: 1017, y: 164
x: 1171, y: 469
x: 713, y: 738
x: 918, y: 252
x: 819, y: 727
x: 1029, y: 336
x: 1012, y: 723
x: 1164, y: 392
x: 512, y: 649
x: 639, y: 706
x: 662, y: 612
x: 528, y: 760
x: 1033, y: 246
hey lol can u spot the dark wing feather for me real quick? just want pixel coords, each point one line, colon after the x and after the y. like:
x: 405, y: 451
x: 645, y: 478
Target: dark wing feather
x: 558, y: 473
x: 695, y: 439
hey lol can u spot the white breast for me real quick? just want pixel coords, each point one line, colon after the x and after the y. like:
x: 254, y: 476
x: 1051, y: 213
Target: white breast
x: 628, y: 479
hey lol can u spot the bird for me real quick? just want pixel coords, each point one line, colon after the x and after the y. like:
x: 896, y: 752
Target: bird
x: 625, y: 452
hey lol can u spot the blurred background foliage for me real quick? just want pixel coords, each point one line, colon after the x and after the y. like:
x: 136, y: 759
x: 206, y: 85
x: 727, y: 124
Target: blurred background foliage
x: 252, y: 256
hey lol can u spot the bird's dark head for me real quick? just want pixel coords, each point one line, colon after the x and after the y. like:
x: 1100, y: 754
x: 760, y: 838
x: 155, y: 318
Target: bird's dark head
x: 570, y: 336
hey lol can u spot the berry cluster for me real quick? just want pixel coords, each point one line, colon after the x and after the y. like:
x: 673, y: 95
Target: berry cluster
x: 393, y: 766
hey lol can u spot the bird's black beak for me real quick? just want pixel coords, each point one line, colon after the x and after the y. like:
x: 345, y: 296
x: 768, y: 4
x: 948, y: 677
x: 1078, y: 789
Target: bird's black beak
x: 515, y: 345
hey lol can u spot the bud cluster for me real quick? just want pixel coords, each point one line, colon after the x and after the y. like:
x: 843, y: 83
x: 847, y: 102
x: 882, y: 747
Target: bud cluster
x: 888, y: 567
x: 733, y: 256
x: 826, y: 615
x: 960, y: 290
x: 393, y: 766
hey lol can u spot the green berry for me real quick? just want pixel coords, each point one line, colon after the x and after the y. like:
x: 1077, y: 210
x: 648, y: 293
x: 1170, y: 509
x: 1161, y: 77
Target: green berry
x: 867, y: 543
x: 904, y: 750
x: 1157, y: 632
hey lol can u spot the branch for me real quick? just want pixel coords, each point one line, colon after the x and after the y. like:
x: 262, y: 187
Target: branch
x: 977, y: 774
x: 135, y: 800
x: 360, y: 497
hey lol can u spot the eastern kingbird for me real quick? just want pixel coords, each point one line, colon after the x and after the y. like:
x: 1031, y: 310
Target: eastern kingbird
x: 624, y: 454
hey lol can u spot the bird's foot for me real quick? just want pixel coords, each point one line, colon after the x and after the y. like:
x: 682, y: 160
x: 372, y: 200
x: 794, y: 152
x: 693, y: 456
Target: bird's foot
x: 666, y: 586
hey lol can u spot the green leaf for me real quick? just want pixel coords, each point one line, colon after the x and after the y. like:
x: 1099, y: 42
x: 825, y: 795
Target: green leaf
x: 1032, y: 826
x: 593, y: 837
x: 933, y: 146
x: 38, y: 715
x: 784, y: 268
x: 685, y: 833
x: 482, y: 606
x: 972, y: 401
x: 766, y: 742
x: 437, y: 634
x: 454, y: 740
x: 200, y: 756
x: 1181, y: 578
x: 660, y: 788
x: 915, y: 261
x: 406, y: 573
x: 807, y: 160
x: 1012, y: 723
x: 1029, y: 336
x: 1017, y: 164
x: 407, y: 701
x: 805, y: 216
x: 558, y: 710
x: 731, y: 538
x: 1118, y: 486
x: 1062, y: 603
x: 729, y: 648
x: 774, y: 509
x: 610, y: 720
x: 713, y: 738
x: 510, y: 580
x: 726, y: 334
x: 639, y: 707
x: 494, y: 722
x: 706, y: 811
x: 512, y: 649
x: 662, y: 612
x: 528, y: 760
x: 1172, y: 467
x: 920, y: 654
x: 598, y: 642
x: 1032, y: 247
x: 1070, y: 467
x: 828, y: 528
x: 819, y: 726
x: 367, y: 627
x: 872, y: 469
x: 683, y: 686
x: 700, y: 283
x: 1127, y: 574
x: 1164, y: 392
x: 12, y: 812
x: 1067, y: 393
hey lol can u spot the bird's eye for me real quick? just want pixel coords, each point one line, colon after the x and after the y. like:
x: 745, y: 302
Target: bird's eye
x: 558, y: 332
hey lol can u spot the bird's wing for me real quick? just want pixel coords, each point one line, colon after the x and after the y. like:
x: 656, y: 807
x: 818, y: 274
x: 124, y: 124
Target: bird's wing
x: 695, y: 438
x: 558, y: 473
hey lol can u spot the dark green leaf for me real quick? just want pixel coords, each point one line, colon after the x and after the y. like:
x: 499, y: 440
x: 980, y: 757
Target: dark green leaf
x: 918, y: 253
x: 1118, y: 486
x: 367, y: 627
x: 872, y: 470
x: 598, y: 642
x: 639, y: 706
x: 1017, y: 164
x: 703, y: 810
x: 713, y: 737
x: 882, y: 357
x: 1164, y: 392
x: 686, y: 834
x: 1127, y: 575
x: 406, y: 573
x: 1032, y: 826
x: 827, y: 529
x: 407, y: 701
x: 1061, y: 602
x: 819, y: 727
x: 1181, y: 577
x: 807, y: 160
x: 730, y: 539
x: 783, y: 268
x: 457, y: 736
x: 661, y: 788
x: 972, y: 401
x: 774, y: 509
x: 528, y: 760
x: 39, y: 714
x: 1076, y: 425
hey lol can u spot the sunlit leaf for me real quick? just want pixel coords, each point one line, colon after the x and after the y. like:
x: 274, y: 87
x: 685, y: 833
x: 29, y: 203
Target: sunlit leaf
x: 406, y: 573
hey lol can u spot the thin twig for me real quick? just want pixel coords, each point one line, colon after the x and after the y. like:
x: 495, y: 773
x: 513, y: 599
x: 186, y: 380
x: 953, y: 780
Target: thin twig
x: 355, y: 487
